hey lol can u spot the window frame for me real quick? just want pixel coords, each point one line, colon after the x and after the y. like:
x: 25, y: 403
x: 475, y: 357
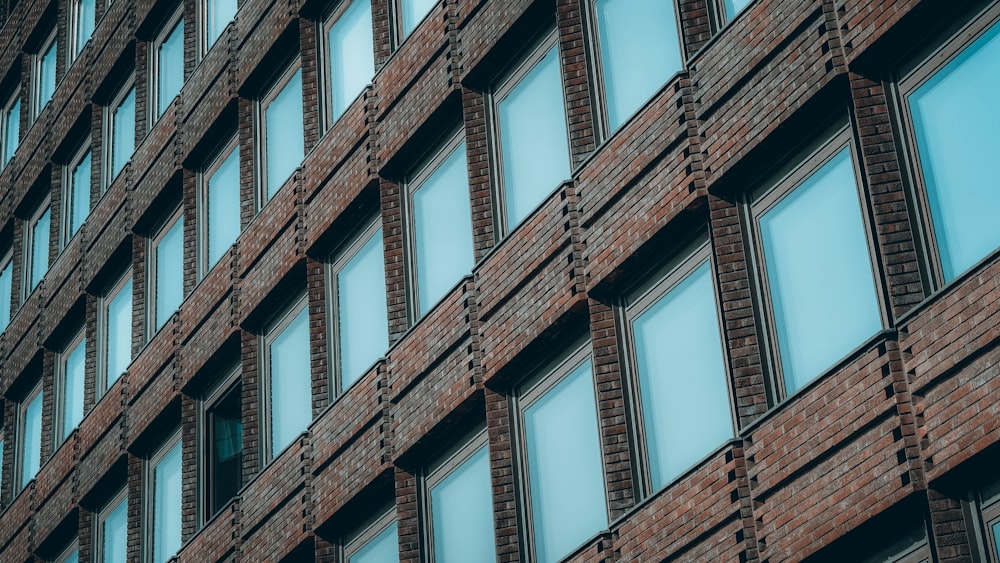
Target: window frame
x: 101, y: 518
x: 110, y: 125
x: 74, y: 28
x: 8, y: 108
x: 149, y: 492
x: 357, y: 541
x: 528, y: 59
x: 152, y: 253
x: 28, y: 248
x: 60, y: 412
x: 221, y: 391
x: 908, y: 81
x: 165, y: 31
x: 69, y: 189
x: 274, y: 329
x: 22, y: 480
x: 71, y: 548
x: 7, y: 261
x: 104, y: 301
x: 636, y: 303
x: 325, y: 61
x: 528, y: 393
x: 764, y: 197
x: 204, y: 44
x: 425, y: 171
x: 203, y: 227
x: 37, y: 62
x: 270, y: 94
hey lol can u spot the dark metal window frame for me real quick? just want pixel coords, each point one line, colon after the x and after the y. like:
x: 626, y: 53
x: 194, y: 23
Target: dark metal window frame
x: 28, y: 247
x: 69, y: 189
x: 164, y: 32
x: 324, y: 61
x: 230, y: 383
x: 101, y: 518
x: 368, y: 532
x: 111, y: 122
x: 37, y: 58
x: 104, y: 301
x: 20, y: 481
x: 275, y: 328
x: 71, y: 547
x: 270, y: 94
x: 7, y: 108
x: 7, y: 259
x: 203, y: 227
x: 152, y: 252
x: 60, y: 412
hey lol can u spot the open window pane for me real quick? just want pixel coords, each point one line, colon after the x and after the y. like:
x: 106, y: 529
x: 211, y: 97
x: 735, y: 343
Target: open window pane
x: 352, y: 55
x: 956, y: 121
x: 640, y: 51
x: 533, y: 139
x: 12, y: 125
x: 414, y: 11
x: 166, y: 532
x: 284, y: 133
x: 114, y: 534
x: 682, y: 377
x: 39, y: 249
x: 225, y: 445
x: 31, y: 439
x: 169, y: 272
x: 564, y: 466
x: 123, y: 134
x: 462, y: 508
x: 79, y: 194
x: 119, y: 333
x: 290, y: 382
x: 86, y: 17
x: 819, y: 271
x: 442, y: 230
x: 170, y: 66
x: 362, y: 319
x: 383, y: 548
x: 223, y: 207
x: 72, y: 387
x: 6, y: 287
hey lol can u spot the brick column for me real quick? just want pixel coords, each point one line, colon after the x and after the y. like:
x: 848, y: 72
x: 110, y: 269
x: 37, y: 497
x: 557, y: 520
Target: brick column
x: 579, y: 98
x: 477, y: 153
x: 505, y: 520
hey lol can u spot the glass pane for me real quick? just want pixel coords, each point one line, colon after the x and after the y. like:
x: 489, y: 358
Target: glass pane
x: 73, y: 557
x: 32, y: 436
x: 384, y: 548
x: 47, y: 76
x: 224, y: 207
x: 6, y: 286
x: 226, y: 472
x: 123, y: 143
x: 462, y: 505
x: 564, y: 466
x: 819, y: 272
x: 442, y: 221
x: 218, y: 13
x: 640, y: 51
x: 170, y: 272
x: 682, y: 377
x: 167, y: 505
x: 80, y: 194
x: 363, y: 322
x: 956, y: 120
x: 291, y: 383
x: 414, y: 11
x: 284, y: 130
x: 72, y: 389
x: 996, y: 537
x: 171, y: 66
x: 734, y: 7
x: 86, y: 14
x: 11, y: 127
x: 40, y: 249
x: 119, y: 333
x: 114, y: 532
x: 533, y: 139
x: 350, y: 69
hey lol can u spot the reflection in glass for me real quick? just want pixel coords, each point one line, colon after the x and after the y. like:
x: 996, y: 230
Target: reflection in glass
x: 734, y: 7
x: 352, y: 55
x: 86, y: 17
x: 12, y: 124
x: 6, y: 287
x: 462, y: 508
x: 291, y: 382
x: 819, y: 271
x: 533, y: 139
x: 956, y: 120
x: 225, y: 422
x: 564, y: 466
x: 284, y: 132
x: 363, y: 325
x: 47, y: 76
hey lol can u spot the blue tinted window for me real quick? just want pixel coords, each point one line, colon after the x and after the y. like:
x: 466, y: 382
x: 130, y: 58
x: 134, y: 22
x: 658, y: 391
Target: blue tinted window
x: 11, y: 127
x: 170, y: 66
x: 290, y: 382
x: 734, y: 7
x: 462, y: 509
x: 46, y: 76
x: 39, y: 249
x: 123, y: 134
x: 78, y: 194
x: 114, y: 534
x: 118, y: 333
x: 74, y: 364
x: 383, y: 548
x: 166, y: 532
x: 956, y: 121
x: 284, y: 134
x: 6, y: 287
x: 169, y: 272
x: 223, y: 202
x: 31, y: 439
x: 352, y: 55
x: 362, y: 318
x: 218, y: 14
x: 86, y: 17
x: 414, y: 12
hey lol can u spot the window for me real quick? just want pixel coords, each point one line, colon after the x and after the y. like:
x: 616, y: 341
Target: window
x: 36, y: 248
x: 83, y: 18
x: 562, y: 454
x: 286, y: 364
x: 76, y: 192
x: 69, y: 386
x: 167, y: 68
x: 360, y: 326
x: 120, y: 120
x: 817, y: 271
x: 69, y: 555
x: 166, y: 266
x: 378, y: 543
x: 441, y: 225
x: 223, y: 443
x: 640, y: 50
x: 283, y: 138
x: 461, y: 506
x: 951, y: 116
x: 534, y: 146
x: 111, y: 537
x: 11, y: 126
x: 732, y: 8
x: 44, y: 75
x: 217, y: 14
x: 411, y: 13
x: 165, y: 493
x: 348, y: 35
x: 115, y: 332
x: 6, y: 289
x: 219, y: 207
x: 679, y: 369
x: 29, y: 439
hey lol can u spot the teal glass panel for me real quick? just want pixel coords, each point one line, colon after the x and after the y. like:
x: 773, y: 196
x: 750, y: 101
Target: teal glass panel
x: 72, y: 387
x: 169, y: 272
x: 223, y: 207
x: 218, y: 15
x: 31, y: 446
x: 123, y: 140
x: 12, y: 125
x: 362, y: 323
x: 170, y: 67
x: 119, y: 333
x: 462, y: 508
x: 6, y: 287
x: 414, y: 11
x: 166, y: 531
x: 352, y: 55
x: 114, y: 534
x: 86, y: 19
x: 383, y: 548
x: 290, y: 383
x: 284, y: 134
x: 40, y: 248
x: 79, y: 192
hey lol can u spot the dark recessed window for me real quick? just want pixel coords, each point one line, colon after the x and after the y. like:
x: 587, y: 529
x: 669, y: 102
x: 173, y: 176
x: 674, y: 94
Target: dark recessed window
x: 43, y: 79
x: 223, y: 443
x: 76, y: 192
x: 120, y: 141
x: 217, y: 15
x: 167, y: 68
x: 83, y: 18
x: 11, y: 124
x: 6, y: 288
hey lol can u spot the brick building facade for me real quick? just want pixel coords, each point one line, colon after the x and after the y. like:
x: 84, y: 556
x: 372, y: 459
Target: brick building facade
x: 626, y: 363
